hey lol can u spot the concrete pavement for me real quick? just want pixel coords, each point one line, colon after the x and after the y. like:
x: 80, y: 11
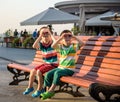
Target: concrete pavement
x: 14, y: 93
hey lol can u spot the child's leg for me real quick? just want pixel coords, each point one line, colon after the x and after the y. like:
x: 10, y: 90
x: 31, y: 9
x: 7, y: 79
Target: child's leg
x: 59, y: 73
x: 49, y: 93
x: 40, y: 71
x: 48, y: 80
x: 56, y: 81
x: 49, y: 77
x: 51, y: 89
x: 32, y: 78
x: 40, y: 80
x: 40, y: 84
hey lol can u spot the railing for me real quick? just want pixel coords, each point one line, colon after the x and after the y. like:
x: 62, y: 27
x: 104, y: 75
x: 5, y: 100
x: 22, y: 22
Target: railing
x: 14, y: 42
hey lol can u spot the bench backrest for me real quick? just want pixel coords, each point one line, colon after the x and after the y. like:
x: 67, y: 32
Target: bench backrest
x: 99, y: 58
x: 38, y: 58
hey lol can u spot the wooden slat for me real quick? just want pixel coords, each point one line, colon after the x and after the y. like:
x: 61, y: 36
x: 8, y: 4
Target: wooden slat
x: 38, y: 56
x: 38, y: 60
x: 98, y: 64
x: 100, y: 43
x: 25, y: 68
x: 99, y: 70
x: 76, y: 81
x: 99, y: 79
x: 38, y: 52
x: 98, y: 59
x: 102, y: 75
x: 82, y: 82
x: 99, y: 48
x: 37, y: 63
x: 99, y: 53
x: 97, y: 38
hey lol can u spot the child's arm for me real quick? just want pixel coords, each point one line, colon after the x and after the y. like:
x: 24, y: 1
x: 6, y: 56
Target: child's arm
x: 54, y: 45
x: 53, y: 39
x: 36, y: 43
x: 78, y: 40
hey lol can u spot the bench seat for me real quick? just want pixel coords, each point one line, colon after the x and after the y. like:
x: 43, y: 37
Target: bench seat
x: 26, y: 68
x: 19, y: 70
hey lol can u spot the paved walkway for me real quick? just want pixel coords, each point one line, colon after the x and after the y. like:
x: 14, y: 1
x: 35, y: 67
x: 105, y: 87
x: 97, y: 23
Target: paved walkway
x: 16, y: 54
x: 14, y: 93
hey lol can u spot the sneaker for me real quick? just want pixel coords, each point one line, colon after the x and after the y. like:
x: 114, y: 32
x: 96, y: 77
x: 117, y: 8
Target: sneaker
x: 38, y: 93
x: 28, y: 90
x: 47, y: 95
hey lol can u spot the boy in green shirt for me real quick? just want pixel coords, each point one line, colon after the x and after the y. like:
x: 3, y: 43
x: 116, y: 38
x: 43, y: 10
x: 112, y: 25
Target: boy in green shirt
x: 66, y: 67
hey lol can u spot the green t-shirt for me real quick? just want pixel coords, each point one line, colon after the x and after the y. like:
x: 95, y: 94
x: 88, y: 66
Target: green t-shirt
x: 67, y: 55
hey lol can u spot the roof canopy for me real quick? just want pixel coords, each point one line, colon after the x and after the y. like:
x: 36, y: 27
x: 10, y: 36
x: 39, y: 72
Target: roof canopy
x: 96, y: 21
x: 114, y: 17
x: 51, y: 16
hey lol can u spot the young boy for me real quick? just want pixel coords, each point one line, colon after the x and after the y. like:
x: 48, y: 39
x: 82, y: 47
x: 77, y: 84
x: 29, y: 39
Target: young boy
x: 43, y: 43
x: 67, y: 51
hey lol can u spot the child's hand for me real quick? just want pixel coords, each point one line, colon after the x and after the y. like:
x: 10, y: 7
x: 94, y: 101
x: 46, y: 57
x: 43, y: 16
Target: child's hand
x: 40, y: 35
x: 73, y: 37
x: 62, y: 36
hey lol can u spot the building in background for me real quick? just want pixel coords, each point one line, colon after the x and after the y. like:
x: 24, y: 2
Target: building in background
x: 92, y: 8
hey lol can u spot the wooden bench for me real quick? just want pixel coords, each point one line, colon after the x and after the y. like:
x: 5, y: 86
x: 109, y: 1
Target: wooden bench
x: 19, y: 70
x: 97, y: 68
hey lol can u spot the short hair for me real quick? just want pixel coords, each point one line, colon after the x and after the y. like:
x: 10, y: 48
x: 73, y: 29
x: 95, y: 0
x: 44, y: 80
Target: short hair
x: 65, y: 31
x: 45, y: 27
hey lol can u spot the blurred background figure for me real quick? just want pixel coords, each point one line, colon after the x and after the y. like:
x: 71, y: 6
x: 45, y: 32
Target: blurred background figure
x: 25, y: 33
x: 34, y: 35
x: 15, y: 33
x: 100, y: 33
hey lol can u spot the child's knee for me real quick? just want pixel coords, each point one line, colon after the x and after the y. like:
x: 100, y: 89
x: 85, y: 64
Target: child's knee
x: 33, y: 71
x: 47, y: 76
x: 39, y: 72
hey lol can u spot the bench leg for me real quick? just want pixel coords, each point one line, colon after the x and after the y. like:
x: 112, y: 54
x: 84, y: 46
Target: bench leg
x: 70, y: 89
x: 104, y: 93
x: 17, y: 76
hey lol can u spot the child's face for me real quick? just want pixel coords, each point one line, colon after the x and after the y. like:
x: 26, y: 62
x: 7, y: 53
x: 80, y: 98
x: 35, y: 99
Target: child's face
x: 67, y: 38
x: 45, y: 35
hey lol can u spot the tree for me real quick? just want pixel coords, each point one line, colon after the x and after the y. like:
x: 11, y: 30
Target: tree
x: 75, y: 30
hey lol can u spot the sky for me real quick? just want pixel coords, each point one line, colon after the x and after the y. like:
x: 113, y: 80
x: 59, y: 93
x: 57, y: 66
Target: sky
x: 12, y: 12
